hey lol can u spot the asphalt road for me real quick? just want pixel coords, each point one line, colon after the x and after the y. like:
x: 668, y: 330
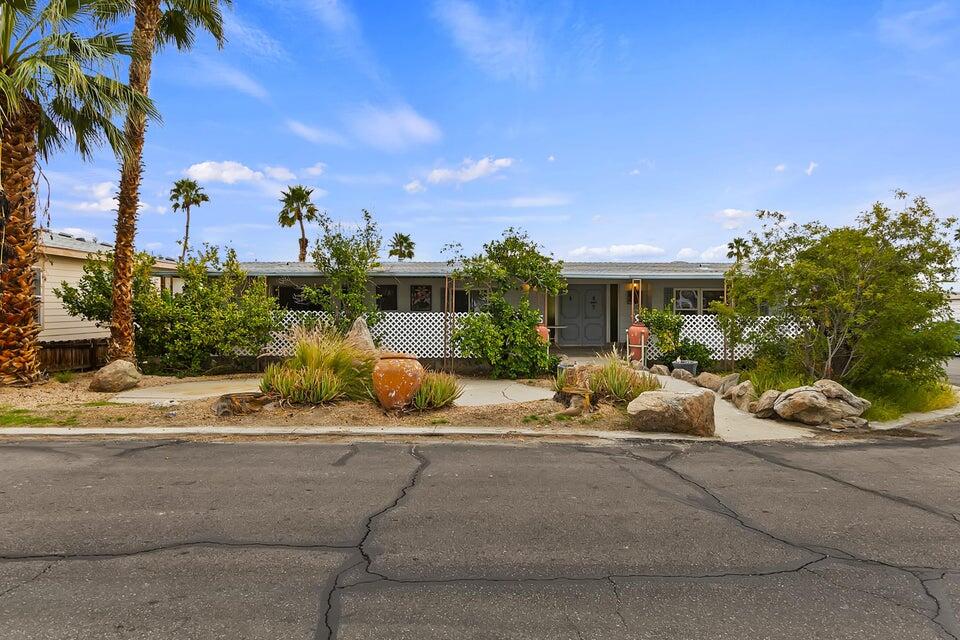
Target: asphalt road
x: 462, y: 541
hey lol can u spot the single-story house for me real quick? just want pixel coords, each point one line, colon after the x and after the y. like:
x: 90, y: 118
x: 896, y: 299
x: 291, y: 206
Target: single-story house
x: 69, y: 341
x: 595, y: 311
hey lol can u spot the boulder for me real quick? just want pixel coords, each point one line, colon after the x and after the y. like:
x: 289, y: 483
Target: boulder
x: 742, y: 395
x: 660, y: 370
x: 807, y: 405
x: 239, y: 404
x: 709, y: 381
x: 689, y: 412
x: 683, y: 374
x: 763, y: 407
x: 119, y: 375
x: 850, y: 422
x: 360, y: 337
x: 727, y: 382
x: 835, y: 391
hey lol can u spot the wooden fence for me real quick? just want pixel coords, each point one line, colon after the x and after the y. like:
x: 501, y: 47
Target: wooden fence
x: 73, y: 355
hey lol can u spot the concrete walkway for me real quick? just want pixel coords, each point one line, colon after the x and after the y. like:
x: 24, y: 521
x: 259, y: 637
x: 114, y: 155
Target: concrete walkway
x: 476, y: 392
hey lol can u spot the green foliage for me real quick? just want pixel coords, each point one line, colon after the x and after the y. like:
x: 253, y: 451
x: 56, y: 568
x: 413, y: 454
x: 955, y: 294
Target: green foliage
x: 437, y: 390
x: 324, y: 368
x: 777, y: 374
x: 64, y: 377
x: 664, y: 325
x: 616, y: 382
x: 693, y: 350
x: 21, y: 418
x: 345, y: 260
x: 215, y: 317
x: 401, y: 247
x: 559, y: 381
x: 506, y: 337
x: 869, y: 297
x: 892, y: 400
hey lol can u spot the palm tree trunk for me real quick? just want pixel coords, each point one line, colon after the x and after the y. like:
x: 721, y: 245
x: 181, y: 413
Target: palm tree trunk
x: 19, y: 353
x: 121, y: 325
x: 186, y: 235
x: 303, y: 241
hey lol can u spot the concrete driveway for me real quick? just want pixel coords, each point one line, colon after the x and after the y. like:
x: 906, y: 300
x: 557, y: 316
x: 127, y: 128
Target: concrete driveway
x: 469, y: 541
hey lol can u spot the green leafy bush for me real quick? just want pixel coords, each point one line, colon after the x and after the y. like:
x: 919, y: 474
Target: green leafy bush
x: 892, y: 399
x: 616, y: 382
x: 769, y: 373
x: 437, y: 390
x: 664, y: 325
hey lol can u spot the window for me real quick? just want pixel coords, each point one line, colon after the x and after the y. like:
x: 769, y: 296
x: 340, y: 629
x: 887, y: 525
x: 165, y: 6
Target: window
x: 421, y: 297
x: 291, y: 297
x: 695, y: 301
x: 711, y: 295
x: 387, y: 297
x: 461, y: 301
x: 38, y: 294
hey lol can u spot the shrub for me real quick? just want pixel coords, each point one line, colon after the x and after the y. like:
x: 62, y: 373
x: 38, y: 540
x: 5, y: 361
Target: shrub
x: 438, y: 390
x: 664, y: 325
x: 615, y: 381
x: 893, y: 398
x: 560, y: 381
x: 63, y: 377
x: 324, y: 368
x: 775, y: 374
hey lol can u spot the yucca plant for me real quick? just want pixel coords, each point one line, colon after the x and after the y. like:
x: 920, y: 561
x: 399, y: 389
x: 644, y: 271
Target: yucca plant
x: 437, y: 390
x: 616, y: 382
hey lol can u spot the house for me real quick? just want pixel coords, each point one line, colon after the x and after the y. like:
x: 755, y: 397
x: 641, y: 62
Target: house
x: 68, y: 341
x: 595, y: 311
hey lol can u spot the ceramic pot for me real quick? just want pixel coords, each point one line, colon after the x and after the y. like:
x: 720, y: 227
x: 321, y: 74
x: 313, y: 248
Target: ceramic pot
x: 544, y: 332
x: 396, y: 379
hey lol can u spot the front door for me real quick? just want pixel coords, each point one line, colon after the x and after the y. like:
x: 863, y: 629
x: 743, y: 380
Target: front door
x: 582, y: 316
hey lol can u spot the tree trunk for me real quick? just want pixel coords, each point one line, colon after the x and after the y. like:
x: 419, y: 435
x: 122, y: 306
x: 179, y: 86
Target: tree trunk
x: 186, y: 235
x: 121, y: 321
x: 303, y: 241
x: 19, y: 329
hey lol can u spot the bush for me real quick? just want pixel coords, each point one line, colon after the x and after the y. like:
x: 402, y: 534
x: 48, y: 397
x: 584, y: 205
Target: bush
x: 438, y: 390
x: 324, y: 368
x: 893, y: 398
x: 775, y: 374
x: 664, y: 325
x: 616, y: 382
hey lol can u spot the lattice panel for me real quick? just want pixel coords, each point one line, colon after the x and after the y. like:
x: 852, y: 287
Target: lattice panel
x: 421, y: 334
x: 707, y: 330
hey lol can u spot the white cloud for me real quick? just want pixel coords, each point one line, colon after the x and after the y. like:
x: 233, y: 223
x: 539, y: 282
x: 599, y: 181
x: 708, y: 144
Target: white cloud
x: 229, y: 172
x: 920, y: 28
x: 523, y: 202
x: 643, y: 165
x: 732, y: 218
x: 687, y: 253
x: 550, y: 158
x: 469, y: 170
x: 718, y: 252
x: 392, y: 129
x: 635, y: 172
x: 811, y: 168
x: 780, y: 168
x: 414, y: 186
x: 101, y: 197
x: 505, y: 45
x: 251, y: 39
x: 316, y: 170
x: 279, y: 173
x: 618, y: 251
x: 317, y: 135
x: 217, y: 74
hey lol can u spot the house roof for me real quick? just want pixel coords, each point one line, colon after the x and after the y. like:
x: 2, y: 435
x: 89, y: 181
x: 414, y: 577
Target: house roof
x: 65, y: 244
x: 571, y: 270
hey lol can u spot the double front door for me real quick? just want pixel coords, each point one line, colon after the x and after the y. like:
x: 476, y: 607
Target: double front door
x: 582, y: 316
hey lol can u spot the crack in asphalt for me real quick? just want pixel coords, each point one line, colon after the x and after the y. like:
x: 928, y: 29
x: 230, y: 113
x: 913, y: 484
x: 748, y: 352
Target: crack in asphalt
x: 616, y: 594
x: 944, y: 616
x: 780, y: 462
x: 353, y: 450
x: 27, y: 581
x: 127, y: 452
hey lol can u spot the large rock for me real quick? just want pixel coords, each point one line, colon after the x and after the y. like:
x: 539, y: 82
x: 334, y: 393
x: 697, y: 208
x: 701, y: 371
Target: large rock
x: 683, y: 374
x: 835, y: 391
x: 660, y: 370
x: 709, y: 380
x: 119, y: 375
x: 807, y: 405
x: 742, y: 395
x: 763, y: 407
x: 727, y: 382
x: 360, y: 336
x: 688, y: 412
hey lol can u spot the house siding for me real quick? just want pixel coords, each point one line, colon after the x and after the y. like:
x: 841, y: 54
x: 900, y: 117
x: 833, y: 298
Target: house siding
x: 56, y: 323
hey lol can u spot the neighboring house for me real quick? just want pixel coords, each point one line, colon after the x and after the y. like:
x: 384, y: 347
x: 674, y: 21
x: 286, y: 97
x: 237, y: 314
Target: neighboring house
x: 594, y: 312
x: 62, y: 259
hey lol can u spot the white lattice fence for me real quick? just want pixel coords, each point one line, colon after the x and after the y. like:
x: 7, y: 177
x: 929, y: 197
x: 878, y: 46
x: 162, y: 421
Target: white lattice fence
x: 707, y: 330
x: 421, y: 334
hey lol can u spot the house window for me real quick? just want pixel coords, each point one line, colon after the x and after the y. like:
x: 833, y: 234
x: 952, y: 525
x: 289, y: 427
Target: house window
x: 467, y: 301
x: 387, y: 297
x: 291, y: 297
x: 421, y: 297
x: 693, y: 302
x: 711, y: 295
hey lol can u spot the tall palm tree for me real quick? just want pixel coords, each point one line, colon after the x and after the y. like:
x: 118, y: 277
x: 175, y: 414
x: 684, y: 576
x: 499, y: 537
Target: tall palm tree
x: 155, y: 24
x: 297, y: 207
x: 401, y: 247
x: 186, y: 193
x: 738, y: 249
x: 55, y: 89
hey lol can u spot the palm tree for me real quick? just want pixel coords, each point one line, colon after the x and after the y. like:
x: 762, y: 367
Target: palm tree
x: 738, y: 249
x: 155, y: 24
x: 297, y: 207
x: 53, y: 92
x: 401, y: 247
x: 186, y: 193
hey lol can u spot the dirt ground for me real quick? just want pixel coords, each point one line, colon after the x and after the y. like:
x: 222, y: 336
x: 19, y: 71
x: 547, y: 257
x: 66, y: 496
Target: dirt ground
x: 72, y: 404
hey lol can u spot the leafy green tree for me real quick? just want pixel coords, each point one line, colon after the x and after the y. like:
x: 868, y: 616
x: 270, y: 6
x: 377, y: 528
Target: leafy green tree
x: 345, y: 259
x: 505, y: 336
x: 185, y: 194
x: 57, y: 88
x: 869, y: 298
x: 298, y: 208
x: 401, y: 247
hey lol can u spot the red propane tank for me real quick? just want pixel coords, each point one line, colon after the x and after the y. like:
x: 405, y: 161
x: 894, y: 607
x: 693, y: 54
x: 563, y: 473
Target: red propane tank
x: 638, y: 334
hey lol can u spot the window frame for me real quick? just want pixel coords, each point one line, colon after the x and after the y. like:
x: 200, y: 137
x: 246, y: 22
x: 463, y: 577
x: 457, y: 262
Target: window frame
x: 700, y: 308
x: 429, y: 300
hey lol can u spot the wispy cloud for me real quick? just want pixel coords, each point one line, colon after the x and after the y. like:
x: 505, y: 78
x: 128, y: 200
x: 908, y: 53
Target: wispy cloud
x: 392, y: 129
x: 77, y: 232
x: 101, y: 198
x: 780, y: 168
x: 469, y: 170
x: 316, y: 135
x: 732, y: 218
x: 345, y: 33
x: 279, y: 173
x: 315, y: 170
x: 618, y: 251
x: 414, y: 186
x: 504, y: 45
x: 717, y: 253
x: 688, y: 253
x: 251, y: 39
x: 920, y: 28
x: 217, y: 74
x: 228, y: 172
x: 811, y: 168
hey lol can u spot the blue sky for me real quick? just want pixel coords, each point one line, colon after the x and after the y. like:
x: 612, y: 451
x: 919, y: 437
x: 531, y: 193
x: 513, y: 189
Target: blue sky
x: 609, y: 131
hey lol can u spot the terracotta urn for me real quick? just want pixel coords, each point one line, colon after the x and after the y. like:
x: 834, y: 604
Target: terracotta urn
x: 396, y: 379
x: 544, y: 332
